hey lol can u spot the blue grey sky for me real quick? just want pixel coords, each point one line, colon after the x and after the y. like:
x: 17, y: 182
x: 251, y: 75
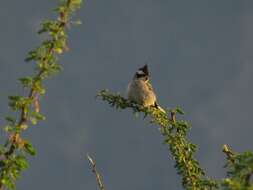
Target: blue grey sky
x: 200, y: 58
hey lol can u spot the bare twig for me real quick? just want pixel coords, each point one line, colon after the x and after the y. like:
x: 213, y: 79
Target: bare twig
x: 94, y: 170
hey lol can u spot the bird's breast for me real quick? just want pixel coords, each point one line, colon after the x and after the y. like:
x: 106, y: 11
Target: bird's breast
x: 140, y: 92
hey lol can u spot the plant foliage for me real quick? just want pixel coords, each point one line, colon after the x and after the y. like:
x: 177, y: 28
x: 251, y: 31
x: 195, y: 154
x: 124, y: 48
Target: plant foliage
x: 240, y: 166
x: 174, y: 133
x: 13, y: 154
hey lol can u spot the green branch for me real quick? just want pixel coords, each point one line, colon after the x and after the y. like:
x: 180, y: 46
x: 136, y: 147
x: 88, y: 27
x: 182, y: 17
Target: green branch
x: 174, y: 133
x: 13, y: 153
x: 240, y: 170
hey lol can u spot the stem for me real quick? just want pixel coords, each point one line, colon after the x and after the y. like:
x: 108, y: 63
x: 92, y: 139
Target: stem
x: 23, y: 117
x: 95, y: 171
x: 174, y: 133
x: 13, y: 142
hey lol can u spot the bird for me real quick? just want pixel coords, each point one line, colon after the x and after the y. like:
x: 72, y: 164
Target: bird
x: 140, y: 90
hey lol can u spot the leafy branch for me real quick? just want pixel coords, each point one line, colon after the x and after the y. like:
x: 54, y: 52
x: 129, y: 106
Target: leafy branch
x: 240, y: 170
x: 13, y: 152
x: 174, y: 132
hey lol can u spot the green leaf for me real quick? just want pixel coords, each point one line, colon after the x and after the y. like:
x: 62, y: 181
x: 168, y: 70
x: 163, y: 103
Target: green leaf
x: 15, y: 102
x: 55, y: 68
x: 15, y: 98
x: 60, y: 9
x: 11, y: 120
x: 76, y: 3
x: 37, y: 116
x: 32, y: 55
x: 178, y: 110
x: 26, y: 81
x: 29, y: 149
x: 47, y: 26
x: 8, y: 128
x: 19, y: 102
x: 37, y: 86
x: 33, y: 120
x: 22, y: 162
x: 77, y: 22
x: 8, y: 183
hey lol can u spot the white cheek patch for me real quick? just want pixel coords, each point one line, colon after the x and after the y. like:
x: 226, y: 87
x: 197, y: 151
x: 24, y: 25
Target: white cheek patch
x: 140, y: 72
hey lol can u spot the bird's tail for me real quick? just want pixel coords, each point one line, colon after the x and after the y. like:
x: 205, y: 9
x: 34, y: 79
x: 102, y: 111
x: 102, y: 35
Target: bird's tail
x: 159, y: 107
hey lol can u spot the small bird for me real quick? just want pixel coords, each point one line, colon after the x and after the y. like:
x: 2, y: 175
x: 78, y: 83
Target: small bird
x: 140, y: 90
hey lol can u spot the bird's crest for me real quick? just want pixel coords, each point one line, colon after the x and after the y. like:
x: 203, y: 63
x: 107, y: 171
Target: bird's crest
x: 142, y: 72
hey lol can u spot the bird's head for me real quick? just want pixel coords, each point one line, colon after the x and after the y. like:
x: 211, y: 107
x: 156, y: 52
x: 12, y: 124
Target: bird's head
x: 142, y: 73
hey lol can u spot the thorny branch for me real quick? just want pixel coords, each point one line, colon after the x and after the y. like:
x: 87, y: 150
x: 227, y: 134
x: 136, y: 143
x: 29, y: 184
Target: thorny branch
x: 13, y: 153
x: 175, y: 136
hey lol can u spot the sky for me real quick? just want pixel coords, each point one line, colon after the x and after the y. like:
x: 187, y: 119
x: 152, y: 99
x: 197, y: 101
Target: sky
x: 200, y: 57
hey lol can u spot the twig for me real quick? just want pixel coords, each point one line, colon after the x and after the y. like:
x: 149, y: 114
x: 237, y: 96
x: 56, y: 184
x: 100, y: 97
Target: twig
x: 175, y: 136
x: 228, y: 153
x: 14, y: 160
x: 95, y: 171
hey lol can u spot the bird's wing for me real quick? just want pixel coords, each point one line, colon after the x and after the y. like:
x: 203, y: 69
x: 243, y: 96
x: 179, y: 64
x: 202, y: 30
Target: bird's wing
x: 149, y: 86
